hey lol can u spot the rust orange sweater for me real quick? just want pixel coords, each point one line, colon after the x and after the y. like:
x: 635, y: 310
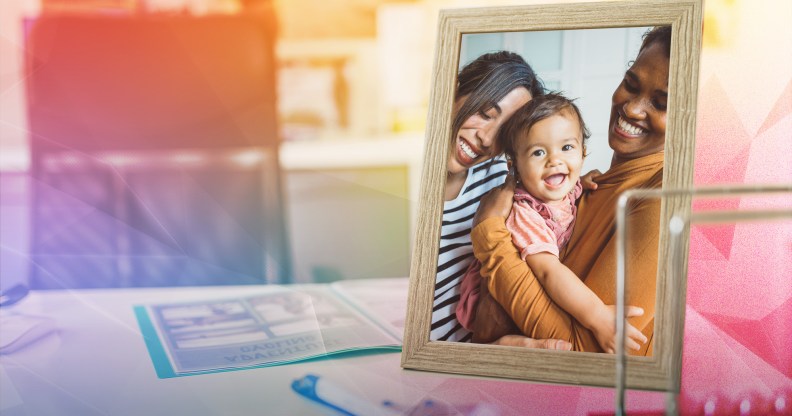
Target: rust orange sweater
x: 590, y: 254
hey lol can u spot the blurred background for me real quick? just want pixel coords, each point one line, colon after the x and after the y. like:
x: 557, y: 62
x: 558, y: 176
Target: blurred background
x: 206, y: 142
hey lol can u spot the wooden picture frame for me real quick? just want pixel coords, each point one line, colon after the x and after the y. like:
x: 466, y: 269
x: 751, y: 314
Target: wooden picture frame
x: 659, y: 372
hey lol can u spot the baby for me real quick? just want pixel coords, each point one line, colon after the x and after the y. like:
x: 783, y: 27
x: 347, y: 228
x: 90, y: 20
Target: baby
x: 545, y: 141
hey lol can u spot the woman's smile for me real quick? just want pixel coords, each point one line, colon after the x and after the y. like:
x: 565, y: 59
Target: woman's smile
x: 466, y: 150
x: 627, y: 129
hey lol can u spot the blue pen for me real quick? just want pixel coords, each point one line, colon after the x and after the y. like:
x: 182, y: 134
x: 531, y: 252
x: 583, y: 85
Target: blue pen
x: 13, y: 295
x: 332, y: 395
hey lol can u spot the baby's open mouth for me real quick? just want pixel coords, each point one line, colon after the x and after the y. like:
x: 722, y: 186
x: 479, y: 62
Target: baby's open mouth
x: 555, y: 180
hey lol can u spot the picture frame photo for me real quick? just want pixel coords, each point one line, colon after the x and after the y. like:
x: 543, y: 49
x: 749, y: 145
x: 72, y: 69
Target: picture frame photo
x: 660, y: 370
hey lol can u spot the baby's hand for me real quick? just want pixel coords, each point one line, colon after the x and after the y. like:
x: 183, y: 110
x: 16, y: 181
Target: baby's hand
x: 587, y: 180
x: 605, y: 329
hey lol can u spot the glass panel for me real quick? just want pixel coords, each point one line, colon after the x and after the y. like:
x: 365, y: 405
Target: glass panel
x: 739, y: 243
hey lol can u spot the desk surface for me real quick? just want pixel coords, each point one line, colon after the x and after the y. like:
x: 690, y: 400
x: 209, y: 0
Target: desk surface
x: 97, y: 364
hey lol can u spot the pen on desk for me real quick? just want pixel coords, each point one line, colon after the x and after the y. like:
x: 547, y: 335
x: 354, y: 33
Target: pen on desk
x: 327, y: 393
x: 13, y: 295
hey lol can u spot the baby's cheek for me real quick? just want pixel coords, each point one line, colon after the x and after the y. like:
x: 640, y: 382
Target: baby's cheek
x: 574, y: 171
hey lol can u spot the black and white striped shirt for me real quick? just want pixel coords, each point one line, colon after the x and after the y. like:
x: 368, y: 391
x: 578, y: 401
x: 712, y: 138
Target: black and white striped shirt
x: 456, y: 250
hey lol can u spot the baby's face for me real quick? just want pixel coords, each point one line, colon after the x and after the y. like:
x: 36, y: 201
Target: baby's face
x: 550, y: 157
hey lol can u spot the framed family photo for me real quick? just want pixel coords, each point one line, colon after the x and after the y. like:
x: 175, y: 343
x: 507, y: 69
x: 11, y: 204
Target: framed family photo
x: 577, y: 103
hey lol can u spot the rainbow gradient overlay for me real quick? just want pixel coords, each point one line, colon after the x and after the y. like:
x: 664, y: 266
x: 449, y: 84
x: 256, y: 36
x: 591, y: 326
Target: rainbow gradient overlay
x: 738, y: 326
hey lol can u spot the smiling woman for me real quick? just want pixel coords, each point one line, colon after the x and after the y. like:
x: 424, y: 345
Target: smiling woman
x: 490, y: 89
x: 638, y: 114
x: 475, y: 141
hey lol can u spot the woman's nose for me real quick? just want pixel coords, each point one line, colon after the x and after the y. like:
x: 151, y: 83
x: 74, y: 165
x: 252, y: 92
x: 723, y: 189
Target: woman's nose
x: 487, y: 134
x: 635, y: 108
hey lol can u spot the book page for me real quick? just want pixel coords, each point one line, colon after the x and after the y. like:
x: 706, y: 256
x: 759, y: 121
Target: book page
x: 383, y: 300
x: 285, y: 325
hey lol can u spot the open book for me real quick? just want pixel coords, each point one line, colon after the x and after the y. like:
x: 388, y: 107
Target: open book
x: 274, y: 325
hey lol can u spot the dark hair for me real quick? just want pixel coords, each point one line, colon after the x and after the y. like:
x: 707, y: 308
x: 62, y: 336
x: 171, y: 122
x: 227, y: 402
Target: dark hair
x: 660, y: 35
x: 538, y: 109
x: 488, y: 79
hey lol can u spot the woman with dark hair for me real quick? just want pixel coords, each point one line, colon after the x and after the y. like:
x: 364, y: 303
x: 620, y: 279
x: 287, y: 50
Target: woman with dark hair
x: 489, y: 90
x: 637, y: 136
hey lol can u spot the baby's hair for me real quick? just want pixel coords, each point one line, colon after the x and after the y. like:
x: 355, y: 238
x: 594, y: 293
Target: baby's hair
x: 536, y: 110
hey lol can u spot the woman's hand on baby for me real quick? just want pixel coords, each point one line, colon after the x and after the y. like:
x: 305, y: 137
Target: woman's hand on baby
x: 497, y: 202
x: 587, y: 180
x: 605, y: 330
x: 523, y: 341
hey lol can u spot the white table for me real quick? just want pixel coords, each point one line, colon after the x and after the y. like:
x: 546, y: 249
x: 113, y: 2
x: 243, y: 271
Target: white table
x: 97, y: 364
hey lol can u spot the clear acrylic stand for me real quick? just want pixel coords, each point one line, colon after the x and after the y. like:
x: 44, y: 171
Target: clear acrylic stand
x: 678, y: 226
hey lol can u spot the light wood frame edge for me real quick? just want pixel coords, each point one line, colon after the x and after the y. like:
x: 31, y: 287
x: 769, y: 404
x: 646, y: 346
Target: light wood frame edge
x: 660, y: 372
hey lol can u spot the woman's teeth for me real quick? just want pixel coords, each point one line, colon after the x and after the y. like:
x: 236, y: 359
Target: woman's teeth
x: 467, y: 150
x: 629, y: 128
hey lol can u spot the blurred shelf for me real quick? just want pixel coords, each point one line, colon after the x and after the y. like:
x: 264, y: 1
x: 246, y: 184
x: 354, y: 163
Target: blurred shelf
x: 396, y: 150
x: 327, y: 153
